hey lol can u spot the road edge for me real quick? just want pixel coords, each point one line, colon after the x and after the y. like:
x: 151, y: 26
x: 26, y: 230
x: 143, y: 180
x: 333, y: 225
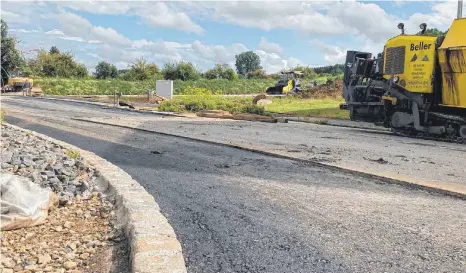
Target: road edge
x: 106, y: 105
x: 430, y: 186
x: 329, y: 122
x: 153, y: 244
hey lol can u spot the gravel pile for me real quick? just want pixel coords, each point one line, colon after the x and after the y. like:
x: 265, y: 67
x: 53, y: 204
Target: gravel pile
x: 78, y: 236
x: 46, y: 164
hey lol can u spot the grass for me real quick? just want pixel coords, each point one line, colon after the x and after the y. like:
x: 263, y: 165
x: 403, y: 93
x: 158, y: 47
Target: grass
x: 323, y: 108
x: 195, y: 104
x: 57, y: 86
x: 198, y: 99
x: 63, y: 87
x: 72, y: 154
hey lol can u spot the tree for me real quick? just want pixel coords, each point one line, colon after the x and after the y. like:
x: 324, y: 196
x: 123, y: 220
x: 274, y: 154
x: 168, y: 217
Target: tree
x: 330, y: 69
x: 308, y: 72
x: 81, y: 71
x: 258, y: 74
x: 141, y: 70
x: 184, y: 71
x: 54, y: 50
x: 54, y: 63
x: 10, y: 56
x: 220, y: 71
x: 434, y: 32
x: 105, y: 70
x: 247, y: 62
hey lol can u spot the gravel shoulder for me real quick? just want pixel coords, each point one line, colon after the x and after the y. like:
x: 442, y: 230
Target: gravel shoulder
x: 80, y: 234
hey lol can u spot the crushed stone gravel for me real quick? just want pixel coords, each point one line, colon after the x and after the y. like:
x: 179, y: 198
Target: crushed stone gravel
x: 81, y: 234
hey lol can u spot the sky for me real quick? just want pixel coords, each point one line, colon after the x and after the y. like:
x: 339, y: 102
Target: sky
x: 283, y: 33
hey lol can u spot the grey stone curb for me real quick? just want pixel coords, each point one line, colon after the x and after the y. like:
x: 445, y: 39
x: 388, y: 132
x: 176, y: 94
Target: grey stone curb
x: 153, y: 244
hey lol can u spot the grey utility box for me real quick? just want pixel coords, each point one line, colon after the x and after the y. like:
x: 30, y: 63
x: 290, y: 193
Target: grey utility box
x: 164, y: 88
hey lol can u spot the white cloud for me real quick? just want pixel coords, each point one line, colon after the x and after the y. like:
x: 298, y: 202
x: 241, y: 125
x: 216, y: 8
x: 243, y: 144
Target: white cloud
x: 73, y: 24
x: 328, y: 18
x: 273, y: 63
x: 99, y: 7
x: 93, y: 55
x: 10, y: 16
x: 71, y: 38
x: 368, y: 24
x: 161, y: 16
x: 155, y: 14
x: 109, y: 35
x: 272, y: 15
x: 332, y: 54
x: 270, y: 47
x: 441, y: 17
x: 61, y: 35
x: 24, y: 30
x: 55, y: 32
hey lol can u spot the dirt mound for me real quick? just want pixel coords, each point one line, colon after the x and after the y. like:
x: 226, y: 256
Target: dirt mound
x: 329, y: 89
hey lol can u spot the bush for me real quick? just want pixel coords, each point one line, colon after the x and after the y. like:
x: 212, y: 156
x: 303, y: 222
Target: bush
x: 258, y: 74
x: 141, y: 70
x: 198, y: 99
x: 220, y: 71
x: 105, y: 70
x: 180, y: 71
x: 54, y: 63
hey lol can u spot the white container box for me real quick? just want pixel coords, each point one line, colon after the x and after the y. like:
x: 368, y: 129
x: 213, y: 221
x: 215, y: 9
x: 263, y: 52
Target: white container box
x: 164, y: 88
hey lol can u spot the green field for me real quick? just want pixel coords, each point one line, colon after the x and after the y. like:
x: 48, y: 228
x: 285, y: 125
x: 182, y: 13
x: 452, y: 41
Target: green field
x: 200, y: 95
x: 198, y: 99
x: 64, y: 87
x: 53, y: 86
x: 324, y: 108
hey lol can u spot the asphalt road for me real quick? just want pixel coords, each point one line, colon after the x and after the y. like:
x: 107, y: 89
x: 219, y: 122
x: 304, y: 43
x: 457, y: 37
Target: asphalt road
x: 238, y: 211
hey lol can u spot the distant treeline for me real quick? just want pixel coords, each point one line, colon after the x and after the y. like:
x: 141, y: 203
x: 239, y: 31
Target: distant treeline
x: 330, y: 69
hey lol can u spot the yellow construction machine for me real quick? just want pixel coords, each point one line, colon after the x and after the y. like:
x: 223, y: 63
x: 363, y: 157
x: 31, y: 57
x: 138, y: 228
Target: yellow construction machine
x: 17, y: 82
x: 288, y: 83
x: 416, y: 87
x: 20, y: 84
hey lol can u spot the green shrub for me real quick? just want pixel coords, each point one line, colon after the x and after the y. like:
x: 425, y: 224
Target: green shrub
x: 198, y: 99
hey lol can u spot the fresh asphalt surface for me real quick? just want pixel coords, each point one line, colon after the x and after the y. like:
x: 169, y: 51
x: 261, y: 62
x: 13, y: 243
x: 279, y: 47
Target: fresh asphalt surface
x: 238, y: 211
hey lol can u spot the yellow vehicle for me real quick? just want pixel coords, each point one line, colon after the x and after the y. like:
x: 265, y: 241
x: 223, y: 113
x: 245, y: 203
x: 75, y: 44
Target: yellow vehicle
x: 20, y: 84
x: 417, y: 86
x: 289, y: 82
x: 17, y: 82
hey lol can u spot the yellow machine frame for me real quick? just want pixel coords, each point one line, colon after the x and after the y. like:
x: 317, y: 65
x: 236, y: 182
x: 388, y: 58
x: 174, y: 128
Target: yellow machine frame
x: 419, y: 62
x: 452, y: 59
